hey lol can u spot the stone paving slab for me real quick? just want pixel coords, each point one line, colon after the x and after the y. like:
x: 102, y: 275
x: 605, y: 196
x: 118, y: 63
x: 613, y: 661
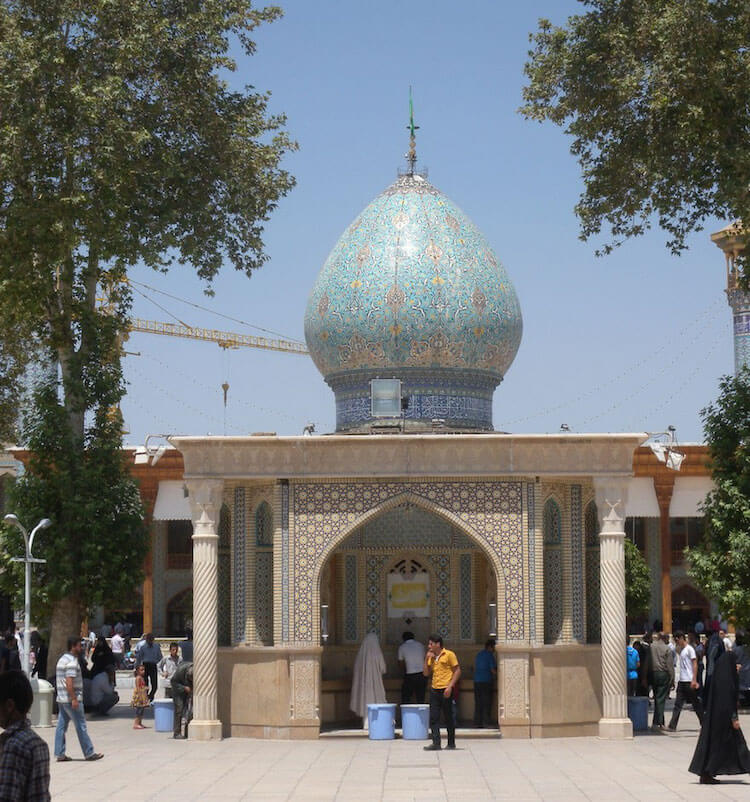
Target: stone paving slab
x: 349, y: 769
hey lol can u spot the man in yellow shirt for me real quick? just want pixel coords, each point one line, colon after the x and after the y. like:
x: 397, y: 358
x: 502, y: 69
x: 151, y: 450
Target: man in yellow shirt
x: 442, y: 665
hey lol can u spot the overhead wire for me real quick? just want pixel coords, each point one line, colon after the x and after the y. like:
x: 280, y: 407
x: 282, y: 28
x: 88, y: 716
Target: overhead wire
x: 209, y: 310
x: 708, y: 313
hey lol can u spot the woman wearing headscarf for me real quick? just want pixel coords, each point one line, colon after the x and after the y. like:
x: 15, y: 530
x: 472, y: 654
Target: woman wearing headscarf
x: 721, y: 746
x: 367, y: 676
x: 102, y: 656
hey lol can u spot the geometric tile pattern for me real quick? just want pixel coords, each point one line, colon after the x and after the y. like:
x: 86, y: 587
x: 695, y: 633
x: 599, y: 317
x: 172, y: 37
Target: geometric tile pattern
x: 264, y: 596
x: 350, y: 598
x: 465, y: 583
x: 238, y: 568
x: 552, y: 522
x: 224, y: 580
x: 553, y: 599
x: 553, y: 571
x: 442, y: 566
x: 739, y: 300
x: 285, y: 583
x: 373, y: 577
x: 576, y: 555
x: 593, y: 579
x: 490, y: 511
x: 531, y: 517
x: 263, y: 525
x: 407, y: 526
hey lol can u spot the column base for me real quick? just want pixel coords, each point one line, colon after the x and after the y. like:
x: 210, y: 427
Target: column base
x: 204, y: 730
x: 615, y: 729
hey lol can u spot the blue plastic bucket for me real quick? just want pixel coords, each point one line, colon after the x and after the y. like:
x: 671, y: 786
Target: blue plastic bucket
x: 638, y: 712
x: 381, y: 722
x: 163, y: 715
x: 415, y: 720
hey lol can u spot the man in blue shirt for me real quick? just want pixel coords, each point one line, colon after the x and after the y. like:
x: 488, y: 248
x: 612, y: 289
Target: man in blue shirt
x: 485, y: 669
x: 149, y: 654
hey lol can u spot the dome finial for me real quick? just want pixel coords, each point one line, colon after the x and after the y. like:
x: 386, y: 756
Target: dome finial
x: 411, y: 156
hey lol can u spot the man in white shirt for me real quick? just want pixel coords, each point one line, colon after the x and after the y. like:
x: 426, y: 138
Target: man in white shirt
x: 70, y: 703
x: 687, y: 681
x: 117, y: 645
x: 411, y: 657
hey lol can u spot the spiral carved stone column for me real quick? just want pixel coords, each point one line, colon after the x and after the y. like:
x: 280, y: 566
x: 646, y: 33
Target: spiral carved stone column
x: 611, y: 497
x: 205, y: 504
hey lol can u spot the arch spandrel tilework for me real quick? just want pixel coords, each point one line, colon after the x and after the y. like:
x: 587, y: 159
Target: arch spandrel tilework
x: 324, y: 513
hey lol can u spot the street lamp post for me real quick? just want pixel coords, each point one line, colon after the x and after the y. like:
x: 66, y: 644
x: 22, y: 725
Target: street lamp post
x: 28, y: 560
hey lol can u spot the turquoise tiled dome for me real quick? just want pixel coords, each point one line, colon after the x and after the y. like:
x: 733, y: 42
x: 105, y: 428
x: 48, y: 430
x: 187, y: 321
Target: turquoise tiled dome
x: 412, y: 290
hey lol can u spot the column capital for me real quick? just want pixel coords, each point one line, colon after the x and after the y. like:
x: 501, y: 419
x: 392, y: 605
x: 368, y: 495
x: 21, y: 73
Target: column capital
x: 205, y: 503
x: 205, y: 492
x: 611, y: 501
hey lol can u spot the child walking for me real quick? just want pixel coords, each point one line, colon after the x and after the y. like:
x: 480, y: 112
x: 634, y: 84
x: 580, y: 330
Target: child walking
x: 140, y: 697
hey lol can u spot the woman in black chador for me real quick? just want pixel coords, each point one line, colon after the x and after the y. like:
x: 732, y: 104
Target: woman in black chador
x: 721, y: 746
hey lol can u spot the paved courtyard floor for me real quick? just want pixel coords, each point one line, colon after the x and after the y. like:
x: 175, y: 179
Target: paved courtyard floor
x: 148, y: 765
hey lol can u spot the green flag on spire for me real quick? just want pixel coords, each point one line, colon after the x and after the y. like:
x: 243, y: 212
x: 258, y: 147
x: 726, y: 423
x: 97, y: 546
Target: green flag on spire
x: 412, y: 127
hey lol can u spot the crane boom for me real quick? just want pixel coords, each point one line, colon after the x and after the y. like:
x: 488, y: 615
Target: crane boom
x: 225, y: 339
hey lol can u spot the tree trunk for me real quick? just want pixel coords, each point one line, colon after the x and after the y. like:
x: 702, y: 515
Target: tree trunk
x: 67, y: 615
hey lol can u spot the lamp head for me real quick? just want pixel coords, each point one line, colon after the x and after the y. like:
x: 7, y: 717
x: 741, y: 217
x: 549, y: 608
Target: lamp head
x: 44, y: 523
x: 10, y: 518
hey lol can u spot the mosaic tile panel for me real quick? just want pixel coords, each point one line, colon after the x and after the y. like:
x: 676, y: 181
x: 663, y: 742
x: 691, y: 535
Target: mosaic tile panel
x: 739, y: 300
x: 239, y: 567
x: 593, y: 596
x: 350, y: 598
x: 412, y: 283
x: 285, y: 584
x: 224, y: 578
x: 591, y: 524
x: 408, y: 526
x: 264, y: 596
x: 374, y: 580
x: 491, y: 511
x: 465, y: 583
x: 553, y: 594
x: 442, y: 568
x: 263, y: 525
x: 531, y: 518
x: 576, y: 557
x: 552, y: 522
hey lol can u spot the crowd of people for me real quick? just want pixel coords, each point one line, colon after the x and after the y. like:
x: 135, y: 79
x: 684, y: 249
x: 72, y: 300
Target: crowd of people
x: 712, y: 674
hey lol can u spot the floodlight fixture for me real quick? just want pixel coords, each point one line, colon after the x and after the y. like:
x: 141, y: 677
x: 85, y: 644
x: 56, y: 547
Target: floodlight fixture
x: 385, y: 398
x: 665, y: 448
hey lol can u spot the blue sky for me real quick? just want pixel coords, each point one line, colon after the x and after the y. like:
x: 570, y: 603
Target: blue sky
x: 630, y: 342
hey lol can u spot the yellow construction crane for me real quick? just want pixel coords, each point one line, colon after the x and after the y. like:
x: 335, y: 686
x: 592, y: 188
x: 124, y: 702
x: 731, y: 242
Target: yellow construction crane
x: 224, y: 339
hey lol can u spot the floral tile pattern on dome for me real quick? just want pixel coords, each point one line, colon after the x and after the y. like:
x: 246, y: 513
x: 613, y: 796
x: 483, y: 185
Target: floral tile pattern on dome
x: 412, y: 284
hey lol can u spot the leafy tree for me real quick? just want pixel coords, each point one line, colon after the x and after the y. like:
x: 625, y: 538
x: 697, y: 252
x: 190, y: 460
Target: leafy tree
x: 637, y: 582
x: 95, y: 547
x: 720, y: 564
x: 120, y: 143
x: 655, y: 96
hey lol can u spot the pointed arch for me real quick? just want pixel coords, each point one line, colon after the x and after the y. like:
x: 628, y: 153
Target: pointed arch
x: 429, y: 506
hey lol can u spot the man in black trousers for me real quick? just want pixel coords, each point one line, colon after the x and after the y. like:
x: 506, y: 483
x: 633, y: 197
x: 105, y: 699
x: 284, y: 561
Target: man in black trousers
x: 442, y: 665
